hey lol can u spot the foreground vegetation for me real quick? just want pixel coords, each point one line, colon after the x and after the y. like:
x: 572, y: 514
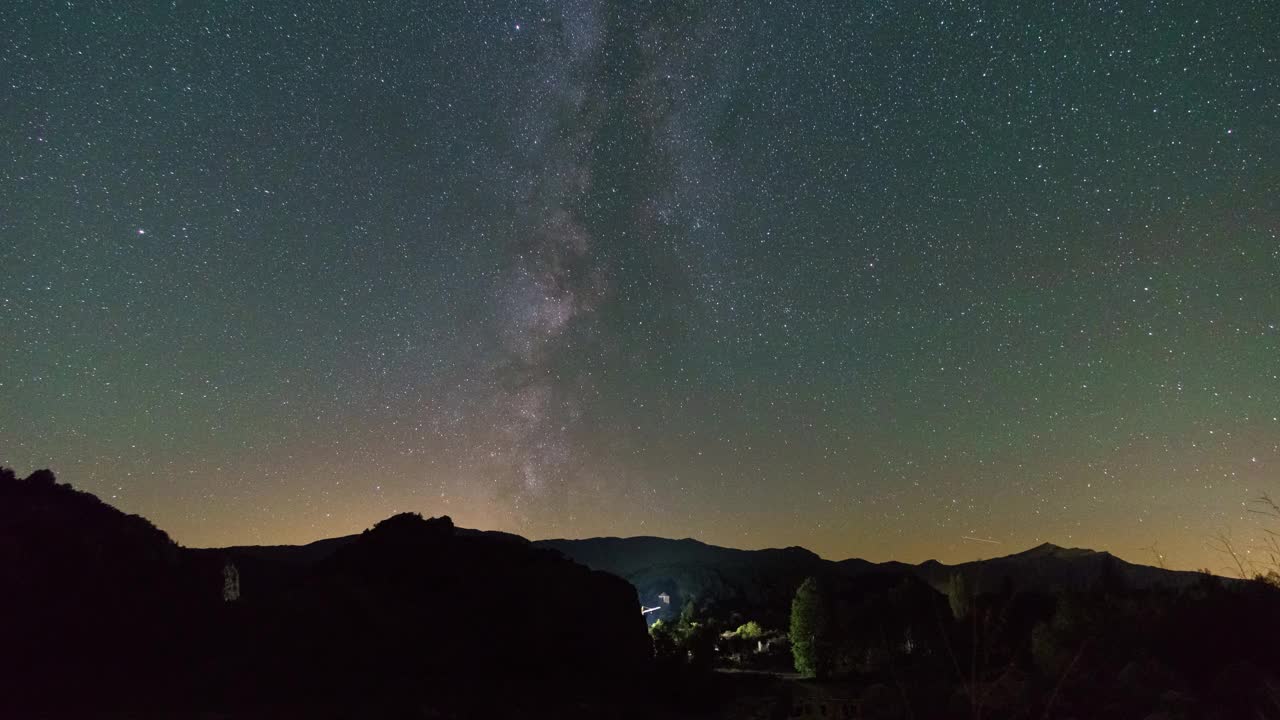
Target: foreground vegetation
x: 890, y: 646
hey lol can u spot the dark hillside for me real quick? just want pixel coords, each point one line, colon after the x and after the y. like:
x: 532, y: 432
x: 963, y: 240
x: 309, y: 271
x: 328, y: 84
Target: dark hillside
x: 759, y: 584
x: 92, y: 597
x: 411, y: 611
x: 755, y: 583
x: 428, y: 602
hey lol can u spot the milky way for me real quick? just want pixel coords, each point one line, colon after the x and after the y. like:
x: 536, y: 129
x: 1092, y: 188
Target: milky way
x: 554, y: 285
x: 869, y: 278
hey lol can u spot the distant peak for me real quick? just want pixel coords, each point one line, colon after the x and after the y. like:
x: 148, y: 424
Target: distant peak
x: 1048, y: 549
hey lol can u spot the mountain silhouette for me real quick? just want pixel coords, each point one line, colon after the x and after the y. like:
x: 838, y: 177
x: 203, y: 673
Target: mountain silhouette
x: 410, y: 611
x: 108, y: 614
x: 760, y: 583
x: 1051, y: 568
x: 683, y: 570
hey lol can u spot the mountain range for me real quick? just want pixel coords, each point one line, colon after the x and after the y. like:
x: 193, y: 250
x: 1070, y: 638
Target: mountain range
x: 406, y: 611
x: 761, y: 582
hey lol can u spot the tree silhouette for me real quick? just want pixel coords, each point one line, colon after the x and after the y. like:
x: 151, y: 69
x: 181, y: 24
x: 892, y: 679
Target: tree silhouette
x: 812, y: 628
x: 958, y: 596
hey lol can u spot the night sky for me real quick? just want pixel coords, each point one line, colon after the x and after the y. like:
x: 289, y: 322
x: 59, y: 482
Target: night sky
x: 883, y: 279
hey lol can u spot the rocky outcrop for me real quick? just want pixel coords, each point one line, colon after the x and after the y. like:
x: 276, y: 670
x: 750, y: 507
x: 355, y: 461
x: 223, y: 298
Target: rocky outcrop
x: 420, y: 600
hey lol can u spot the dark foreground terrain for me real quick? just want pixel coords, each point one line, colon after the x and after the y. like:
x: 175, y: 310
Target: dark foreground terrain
x: 104, y: 612
x: 105, y: 616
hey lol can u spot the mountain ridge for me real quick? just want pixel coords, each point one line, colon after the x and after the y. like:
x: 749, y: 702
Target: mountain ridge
x: 667, y: 573
x: 646, y: 547
x: 1041, y: 550
x: 761, y: 582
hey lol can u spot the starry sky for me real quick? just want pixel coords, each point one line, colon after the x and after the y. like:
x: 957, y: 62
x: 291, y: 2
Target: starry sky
x: 886, y: 279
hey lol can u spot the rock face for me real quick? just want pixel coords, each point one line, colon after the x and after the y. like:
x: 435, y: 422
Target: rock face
x: 413, y: 612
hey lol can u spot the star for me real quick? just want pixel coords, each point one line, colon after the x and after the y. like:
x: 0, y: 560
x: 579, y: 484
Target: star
x: 744, y: 266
